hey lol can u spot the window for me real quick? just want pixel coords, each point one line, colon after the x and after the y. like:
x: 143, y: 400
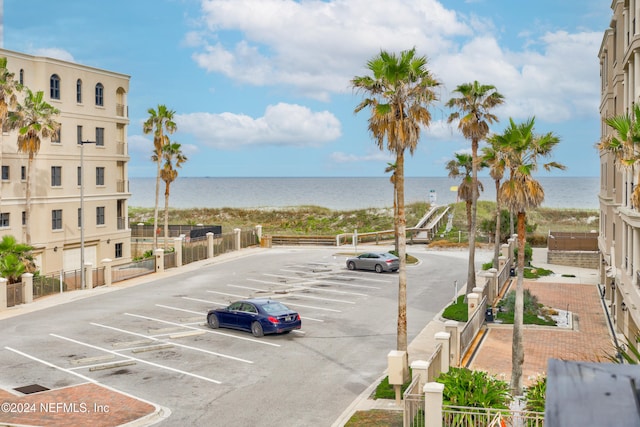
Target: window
x: 4, y: 219
x: 56, y: 176
x: 57, y: 135
x: 118, y: 250
x: 99, y: 94
x: 24, y: 218
x: 21, y: 77
x: 79, y: 91
x: 79, y: 175
x: 79, y: 217
x: 79, y: 132
x: 99, y: 176
x: 54, y: 87
x: 23, y: 173
x: 100, y: 215
x: 5, y: 173
x: 56, y: 219
x: 100, y: 137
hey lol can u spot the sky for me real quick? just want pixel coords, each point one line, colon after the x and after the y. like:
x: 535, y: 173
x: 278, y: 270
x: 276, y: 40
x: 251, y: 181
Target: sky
x: 261, y: 88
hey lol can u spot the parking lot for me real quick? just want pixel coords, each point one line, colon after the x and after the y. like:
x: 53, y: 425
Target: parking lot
x: 151, y: 341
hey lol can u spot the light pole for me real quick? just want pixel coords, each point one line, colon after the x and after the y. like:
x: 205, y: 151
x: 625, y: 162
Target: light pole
x: 82, y: 210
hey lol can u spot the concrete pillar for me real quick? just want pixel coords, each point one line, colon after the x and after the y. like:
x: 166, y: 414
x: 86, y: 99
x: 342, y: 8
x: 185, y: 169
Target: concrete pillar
x: 451, y: 326
x: 420, y: 368
x: 177, y: 247
x: 473, y: 299
x: 27, y: 288
x: 433, y: 404
x: 210, y: 253
x: 444, y: 338
x: 494, y: 286
x: 88, y: 275
x: 159, y: 253
x: 635, y: 260
x: 108, y: 274
x: 259, y: 232
x: 3, y: 293
x: 237, y: 231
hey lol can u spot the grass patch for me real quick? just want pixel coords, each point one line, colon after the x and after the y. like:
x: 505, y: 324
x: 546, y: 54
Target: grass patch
x: 536, y: 272
x: 387, y: 391
x: 528, y: 319
x: 458, y: 311
x: 375, y: 418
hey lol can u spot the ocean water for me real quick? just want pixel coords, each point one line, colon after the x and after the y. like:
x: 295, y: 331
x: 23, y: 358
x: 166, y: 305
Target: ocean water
x: 341, y: 193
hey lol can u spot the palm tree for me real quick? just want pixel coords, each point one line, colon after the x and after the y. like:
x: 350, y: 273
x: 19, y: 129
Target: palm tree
x: 398, y: 92
x: 624, y: 144
x: 391, y: 167
x: 461, y: 167
x: 34, y: 119
x: 9, y: 88
x: 173, y: 158
x: 15, y: 259
x: 494, y: 158
x: 159, y: 122
x: 474, y: 114
x: 521, y: 192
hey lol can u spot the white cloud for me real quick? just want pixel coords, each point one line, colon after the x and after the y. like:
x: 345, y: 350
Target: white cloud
x: 281, y: 125
x: 55, y: 53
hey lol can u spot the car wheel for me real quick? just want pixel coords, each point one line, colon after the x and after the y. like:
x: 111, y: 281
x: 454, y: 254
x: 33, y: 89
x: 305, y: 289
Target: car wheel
x: 378, y: 268
x: 351, y: 265
x: 256, y: 329
x: 213, y: 321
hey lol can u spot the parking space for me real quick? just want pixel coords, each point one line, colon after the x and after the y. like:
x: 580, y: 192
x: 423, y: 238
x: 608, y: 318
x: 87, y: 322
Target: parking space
x: 152, y: 341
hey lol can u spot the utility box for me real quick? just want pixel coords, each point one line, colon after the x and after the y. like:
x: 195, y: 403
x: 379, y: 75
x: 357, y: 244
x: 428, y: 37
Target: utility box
x: 395, y: 360
x: 488, y: 316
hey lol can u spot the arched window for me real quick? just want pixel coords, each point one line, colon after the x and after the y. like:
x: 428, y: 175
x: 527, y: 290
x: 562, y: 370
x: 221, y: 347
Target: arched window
x: 99, y: 94
x: 79, y: 91
x: 54, y: 86
x: 21, y: 76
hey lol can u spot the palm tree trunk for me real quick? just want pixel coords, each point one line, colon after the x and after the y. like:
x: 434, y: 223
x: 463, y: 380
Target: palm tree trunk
x: 496, y: 248
x: 27, y: 210
x: 471, y: 270
x: 155, y: 210
x: 166, y: 215
x: 402, y: 271
x: 517, y: 346
x: 395, y: 215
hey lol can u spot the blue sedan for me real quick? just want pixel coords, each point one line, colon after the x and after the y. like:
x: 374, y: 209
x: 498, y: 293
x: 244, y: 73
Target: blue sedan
x: 258, y: 316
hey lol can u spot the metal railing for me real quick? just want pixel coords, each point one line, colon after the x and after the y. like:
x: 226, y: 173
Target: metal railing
x: 133, y: 269
x: 413, y: 398
x: 461, y: 416
x: 472, y: 327
x: 122, y: 186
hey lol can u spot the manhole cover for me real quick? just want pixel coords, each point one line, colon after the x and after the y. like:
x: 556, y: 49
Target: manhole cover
x: 30, y: 389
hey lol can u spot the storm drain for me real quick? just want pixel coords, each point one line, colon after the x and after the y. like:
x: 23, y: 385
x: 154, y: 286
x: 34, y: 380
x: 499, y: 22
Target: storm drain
x: 31, y: 389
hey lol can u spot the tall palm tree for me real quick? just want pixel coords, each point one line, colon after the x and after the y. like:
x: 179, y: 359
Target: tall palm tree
x: 398, y: 93
x: 9, y: 89
x: 523, y: 151
x: 461, y: 167
x: 624, y: 144
x: 474, y: 115
x: 173, y: 158
x: 391, y: 167
x: 34, y: 119
x: 159, y: 122
x: 494, y: 159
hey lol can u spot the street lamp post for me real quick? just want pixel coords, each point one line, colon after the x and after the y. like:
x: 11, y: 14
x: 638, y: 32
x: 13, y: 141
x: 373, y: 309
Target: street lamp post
x: 82, y: 278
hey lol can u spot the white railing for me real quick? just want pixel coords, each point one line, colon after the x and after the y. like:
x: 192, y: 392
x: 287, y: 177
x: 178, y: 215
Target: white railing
x: 472, y: 327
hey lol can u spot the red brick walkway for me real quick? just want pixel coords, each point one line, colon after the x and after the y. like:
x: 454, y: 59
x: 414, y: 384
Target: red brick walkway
x: 588, y: 341
x: 76, y: 406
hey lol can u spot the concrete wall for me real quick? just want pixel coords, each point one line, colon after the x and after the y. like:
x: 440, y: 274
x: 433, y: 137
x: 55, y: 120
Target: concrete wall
x: 583, y: 259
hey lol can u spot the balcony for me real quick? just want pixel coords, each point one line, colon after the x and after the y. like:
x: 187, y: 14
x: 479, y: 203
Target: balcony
x: 121, y: 148
x: 122, y: 186
x: 121, y: 223
x: 121, y: 110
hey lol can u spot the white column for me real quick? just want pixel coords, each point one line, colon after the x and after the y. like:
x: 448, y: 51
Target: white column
x: 635, y: 255
x: 636, y: 75
x: 27, y: 287
x: 3, y: 293
x: 623, y: 247
x: 433, y: 404
x: 159, y: 253
x: 444, y: 338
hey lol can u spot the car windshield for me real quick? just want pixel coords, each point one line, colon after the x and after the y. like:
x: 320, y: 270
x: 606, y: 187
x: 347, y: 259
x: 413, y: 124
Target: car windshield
x: 274, y: 307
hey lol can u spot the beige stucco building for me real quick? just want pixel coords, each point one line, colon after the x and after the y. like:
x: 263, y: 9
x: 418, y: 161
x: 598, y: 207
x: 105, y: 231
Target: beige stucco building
x: 93, y: 107
x: 619, y: 238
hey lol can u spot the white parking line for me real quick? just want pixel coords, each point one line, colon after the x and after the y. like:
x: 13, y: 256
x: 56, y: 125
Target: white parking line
x: 157, y: 365
x: 275, y: 295
x: 307, y: 285
x: 213, y: 353
x: 51, y: 365
x: 200, y: 329
x: 313, y: 307
x: 229, y: 295
x: 322, y: 276
x: 183, y: 309
x: 204, y: 300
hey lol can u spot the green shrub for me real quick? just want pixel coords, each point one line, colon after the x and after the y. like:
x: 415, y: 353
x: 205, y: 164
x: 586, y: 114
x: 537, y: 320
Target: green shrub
x: 476, y: 389
x: 535, y: 395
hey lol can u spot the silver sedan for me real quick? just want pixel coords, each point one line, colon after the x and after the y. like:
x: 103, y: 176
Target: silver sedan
x: 374, y: 261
